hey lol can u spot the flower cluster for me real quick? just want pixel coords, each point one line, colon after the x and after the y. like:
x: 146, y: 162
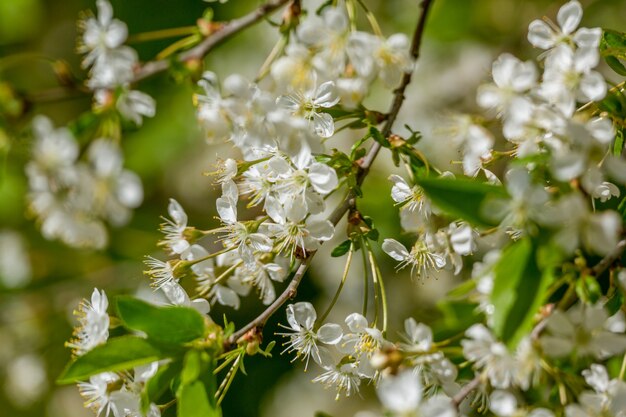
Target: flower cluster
x: 108, y: 393
x: 72, y: 194
x: 537, y: 207
x: 111, y: 64
x: 279, y: 125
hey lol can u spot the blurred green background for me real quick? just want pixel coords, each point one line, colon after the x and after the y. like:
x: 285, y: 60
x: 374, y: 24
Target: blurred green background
x: 41, y: 282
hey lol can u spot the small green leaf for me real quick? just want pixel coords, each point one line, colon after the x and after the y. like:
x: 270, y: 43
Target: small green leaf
x: 462, y: 198
x: 614, y: 304
x: 462, y: 289
x: 378, y: 137
x: 198, y: 384
x: 193, y: 401
x: 588, y: 289
x: 621, y: 208
x: 613, y: 48
x: 616, y: 65
x: 193, y: 366
x: 613, y: 43
x: 117, y: 354
x: 618, y: 145
x: 373, y: 235
x: 341, y: 249
x: 268, y: 348
x: 156, y: 386
x: 169, y: 325
x: 518, y: 291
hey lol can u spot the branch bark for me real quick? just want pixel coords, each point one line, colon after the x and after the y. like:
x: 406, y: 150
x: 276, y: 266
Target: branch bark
x: 465, y: 391
x: 349, y: 201
x: 610, y: 259
x: 287, y: 294
x: 214, y: 39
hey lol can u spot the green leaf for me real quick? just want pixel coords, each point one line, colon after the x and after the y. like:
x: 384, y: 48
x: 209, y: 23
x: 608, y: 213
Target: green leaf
x: 117, y: 354
x: 518, y: 292
x: 614, y: 304
x: 341, y: 249
x: 373, y: 235
x: 169, y: 325
x: 462, y: 289
x: 462, y: 198
x: 156, y: 386
x: 621, y: 208
x: 378, y: 137
x: 618, y: 145
x: 193, y: 367
x: 198, y: 384
x: 613, y: 43
x: 193, y: 401
x: 614, y: 103
x: 616, y: 65
x: 588, y: 289
x: 613, y: 48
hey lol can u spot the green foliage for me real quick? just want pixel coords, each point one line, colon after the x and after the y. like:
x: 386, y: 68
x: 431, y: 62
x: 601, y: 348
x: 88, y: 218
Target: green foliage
x: 341, y: 249
x: 622, y: 209
x: 345, y: 167
x: 169, y: 331
x: 196, y: 393
x: 614, y: 103
x: 618, y: 145
x: 158, y: 385
x: 588, y: 289
x: 519, y: 289
x: 117, y: 354
x: 613, y: 49
x: 166, y: 325
x: 462, y: 198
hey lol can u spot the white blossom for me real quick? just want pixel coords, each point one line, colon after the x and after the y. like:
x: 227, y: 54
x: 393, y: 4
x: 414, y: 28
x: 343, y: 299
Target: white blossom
x: 581, y: 330
x: 93, y: 327
x: 305, y: 338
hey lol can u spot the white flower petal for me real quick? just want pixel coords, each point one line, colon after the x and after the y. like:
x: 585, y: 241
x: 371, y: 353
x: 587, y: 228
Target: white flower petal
x: 301, y: 315
x: 330, y: 333
x: 395, y: 249
x: 540, y: 35
x: 401, y: 393
x: 569, y: 16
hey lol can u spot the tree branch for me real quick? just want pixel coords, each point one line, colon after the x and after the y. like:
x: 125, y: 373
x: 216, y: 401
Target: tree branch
x: 398, y: 97
x: 609, y: 259
x: 349, y: 201
x: 214, y: 39
x: 465, y: 391
x: 287, y: 294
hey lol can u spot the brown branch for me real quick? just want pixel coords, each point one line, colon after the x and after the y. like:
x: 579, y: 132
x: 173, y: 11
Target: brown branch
x: 224, y: 32
x: 153, y: 67
x: 349, y: 201
x: 465, y: 391
x: 398, y: 97
x: 609, y: 259
x: 287, y: 294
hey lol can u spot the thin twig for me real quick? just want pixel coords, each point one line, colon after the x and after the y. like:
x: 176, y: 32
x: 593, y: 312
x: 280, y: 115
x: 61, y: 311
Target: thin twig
x: 609, y: 259
x: 349, y: 201
x: 398, y: 97
x: 465, y: 391
x: 199, y: 51
x: 287, y: 294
